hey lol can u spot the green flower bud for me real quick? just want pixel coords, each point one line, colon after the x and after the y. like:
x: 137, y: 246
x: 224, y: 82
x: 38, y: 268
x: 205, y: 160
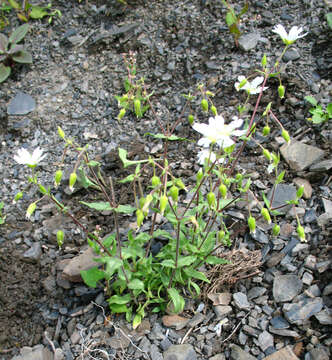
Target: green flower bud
x: 285, y: 135
x: 199, y: 176
x: 72, y: 181
x: 18, y: 196
x: 275, y: 158
x: 223, y: 190
x: 239, y: 177
x: 57, y: 178
x: 266, y: 130
x: 227, y: 181
x: 147, y: 203
x: 42, y: 189
x: 252, y: 224
x: 179, y: 183
x: 141, y: 202
x: 60, y: 236
x: 264, y: 61
x: 205, y: 105
x: 214, y: 110
x: 155, y: 181
x: 266, y: 215
x: 276, y: 230
x: 139, y: 217
x: 137, y: 107
x: 31, y: 209
x: 191, y: 119
x: 163, y: 201
x: 211, y: 199
x: 61, y: 133
x: 221, y: 235
x: 174, y: 193
x: 300, y: 233
x: 300, y: 191
x: 281, y: 91
x: 267, y: 154
x: 121, y: 114
x: 209, y: 93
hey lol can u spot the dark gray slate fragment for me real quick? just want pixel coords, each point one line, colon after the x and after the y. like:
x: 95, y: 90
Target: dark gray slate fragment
x: 286, y: 287
x: 180, y: 352
x: 303, y: 310
x: 322, y: 166
x: 279, y: 322
x: 22, y: 104
x: 282, y: 194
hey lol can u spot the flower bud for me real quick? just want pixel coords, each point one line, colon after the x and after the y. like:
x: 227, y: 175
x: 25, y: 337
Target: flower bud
x: 191, y: 119
x: 179, y: 183
x: 300, y: 233
x: 18, y: 196
x: 42, y: 189
x: 275, y: 158
x: 239, y: 177
x: 264, y: 61
x: 227, y: 181
x: 174, y: 193
x: 137, y: 107
x: 300, y: 191
x: 61, y: 133
x: 221, y: 235
x: 147, y: 203
x: 223, y: 190
x: 276, y: 230
x: 266, y: 215
x: 199, y: 176
x: 281, y: 91
x: 252, y: 224
x: 60, y: 236
x: 141, y: 202
x: 155, y: 181
x: 72, y: 181
x: 285, y: 135
x: 57, y: 178
x: 31, y: 209
x: 214, y: 110
x: 267, y: 154
x: 266, y: 130
x: 139, y: 217
x: 163, y: 203
x: 211, y: 199
x: 121, y: 113
x: 205, y: 105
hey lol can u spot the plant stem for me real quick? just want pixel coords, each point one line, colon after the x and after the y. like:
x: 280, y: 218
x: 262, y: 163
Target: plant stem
x: 176, y: 254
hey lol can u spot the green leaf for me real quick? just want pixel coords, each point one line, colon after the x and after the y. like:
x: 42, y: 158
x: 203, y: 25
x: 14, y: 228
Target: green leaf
x: 311, y: 100
x: 119, y: 299
x: 124, y: 209
x: 195, y: 286
x: 3, y: 43
x: 234, y: 29
x: 186, y: 260
x: 136, y: 284
x: 123, y: 156
x: 23, y: 57
x: 280, y: 177
x: 118, y: 309
x: 129, y: 178
x: 244, y: 9
x: 196, y: 274
x: 92, y: 276
x: 109, y: 240
x: 329, y: 19
x: 266, y: 200
x: 230, y: 18
x: 4, y: 72
x: 209, y: 243
x: 168, y: 263
x: 38, y: 12
x: 137, y: 320
x: 215, y: 260
x: 99, y: 206
x: 329, y: 108
x: 177, y: 300
x: 19, y: 33
x: 162, y: 136
x: 14, y: 4
x: 112, y: 265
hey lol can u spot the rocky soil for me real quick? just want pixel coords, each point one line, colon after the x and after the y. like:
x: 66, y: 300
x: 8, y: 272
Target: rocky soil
x: 276, y: 302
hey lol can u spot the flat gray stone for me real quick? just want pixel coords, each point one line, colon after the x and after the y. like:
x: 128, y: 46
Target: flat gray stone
x: 241, y: 301
x: 324, y: 317
x: 34, y: 253
x: 327, y: 206
x: 22, y: 104
x: 248, y: 41
x: 286, y: 287
x: 291, y: 55
x: 282, y: 194
x: 238, y: 354
x: 284, y: 332
x: 300, y: 156
x: 39, y: 352
x: 265, y: 340
x: 299, y: 312
x: 322, y: 166
x: 279, y: 323
x: 180, y: 352
x: 222, y: 311
x: 320, y: 353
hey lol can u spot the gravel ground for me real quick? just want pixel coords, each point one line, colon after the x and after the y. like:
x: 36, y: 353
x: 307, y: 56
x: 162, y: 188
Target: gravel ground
x: 77, y: 70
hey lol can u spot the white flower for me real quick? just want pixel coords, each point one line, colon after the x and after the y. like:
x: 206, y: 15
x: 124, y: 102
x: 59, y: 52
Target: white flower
x: 252, y: 87
x: 293, y: 35
x: 25, y: 158
x: 218, y: 132
x: 206, y: 154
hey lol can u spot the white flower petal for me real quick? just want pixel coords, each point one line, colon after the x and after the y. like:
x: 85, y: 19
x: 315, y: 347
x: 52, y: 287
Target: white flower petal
x: 280, y: 30
x: 205, y: 142
x: 236, y: 123
x: 257, y: 81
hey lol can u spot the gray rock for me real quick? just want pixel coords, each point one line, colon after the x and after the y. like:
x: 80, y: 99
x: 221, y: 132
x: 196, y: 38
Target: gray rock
x: 282, y: 194
x: 320, y: 353
x: 327, y: 290
x: 248, y: 41
x: 196, y: 320
x: 323, y: 266
x: 299, y: 312
x: 22, y: 104
x: 291, y: 55
x: 218, y: 357
x: 180, y: 352
x: 260, y: 236
x: 307, y: 278
x: 310, y: 216
x: 238, y: 354
x: 118, y: 341
x: 286, y: 287
x: 165, y: 344
x: 322, y: 166
x: 222, y: 311
x: 284, y: 332
x: 241, y: 301
x: 265, y: 340
x: 39, y: 352
x: 279, y: 322
x: 324, y: 317
x: 256, y: 292
x: 327, y: 206
x: 285, y: 353
x: 155, y: 353
x: 300, y: 156
x: 34, y: 253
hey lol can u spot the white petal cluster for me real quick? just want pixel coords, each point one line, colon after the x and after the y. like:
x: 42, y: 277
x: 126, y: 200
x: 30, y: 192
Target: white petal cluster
x: 25, y: 158
x: 252, y: 87
x: 292, y: 36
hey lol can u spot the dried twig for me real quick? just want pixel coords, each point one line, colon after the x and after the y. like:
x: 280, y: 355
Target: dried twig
x: 234, y: 330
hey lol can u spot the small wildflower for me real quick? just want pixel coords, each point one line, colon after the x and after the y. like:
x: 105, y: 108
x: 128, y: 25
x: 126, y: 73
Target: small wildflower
x: 292, y: 36
x: 25, y: 158
x: 251, y: 87
x: 219, y: 132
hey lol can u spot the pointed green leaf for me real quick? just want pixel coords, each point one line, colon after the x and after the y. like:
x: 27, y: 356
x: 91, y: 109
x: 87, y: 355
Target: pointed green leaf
x: 19, y: 33
x: 196, y: 274
x: 118, y: 308
x: 124, y: 209
x: 311, y: 100
x: 136, y: 284
x: 186, y: 260
x: 23, y: 57
x: 177, y: 300
x: 99, y: 206
x: 168, y: 263
x: 129, y: 178
x: 3, y: 43
x: 4, y: 72
x: 230, y: 19
x: 38, y: 12
x: 119, y: 299
x: 123, y: 156
x: 329, y: 110
x: 112, y: 265
x: 92, y: 276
